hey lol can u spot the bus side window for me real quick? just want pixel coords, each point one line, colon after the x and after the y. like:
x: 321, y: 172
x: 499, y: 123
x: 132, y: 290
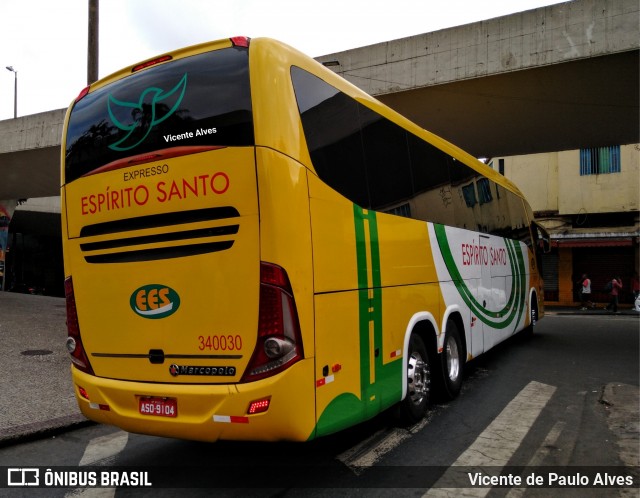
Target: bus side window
x: 386, y: 159
x: 332, y: 130
x: 433, y: 198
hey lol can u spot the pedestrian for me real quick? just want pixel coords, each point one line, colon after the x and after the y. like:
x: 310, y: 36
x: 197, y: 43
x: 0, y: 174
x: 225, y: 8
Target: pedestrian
x: 585, y: 292
x: 616, y: 285
x: 635, y: 288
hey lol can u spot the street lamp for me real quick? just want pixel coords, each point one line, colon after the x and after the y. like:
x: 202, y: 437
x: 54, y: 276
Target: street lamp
x: 15, y: 91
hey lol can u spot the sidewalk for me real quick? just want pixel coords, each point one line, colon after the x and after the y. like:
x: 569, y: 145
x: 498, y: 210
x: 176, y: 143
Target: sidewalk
x: 36, y: 391
x: 598, y: 310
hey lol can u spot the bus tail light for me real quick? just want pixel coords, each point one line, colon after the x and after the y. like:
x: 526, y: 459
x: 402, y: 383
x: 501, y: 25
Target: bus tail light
x: 279, y: 340
x: 74, y: 342
x: 83, y: 93
x: 152, y: 62
x: 259, y: 406
x: 83, y: 392
x: 240, y: 41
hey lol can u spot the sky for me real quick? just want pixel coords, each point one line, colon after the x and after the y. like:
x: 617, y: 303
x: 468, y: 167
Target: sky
x: 45, y: 41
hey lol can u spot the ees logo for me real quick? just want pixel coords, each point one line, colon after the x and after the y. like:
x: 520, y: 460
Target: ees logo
x: 154, y: 301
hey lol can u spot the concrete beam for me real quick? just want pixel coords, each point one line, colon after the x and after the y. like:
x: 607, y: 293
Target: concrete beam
x: 540, y: 37
x: 30, y: 155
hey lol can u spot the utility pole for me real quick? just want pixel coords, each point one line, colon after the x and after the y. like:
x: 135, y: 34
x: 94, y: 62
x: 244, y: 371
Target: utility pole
x: 93, y: 42
x: 15, y: 91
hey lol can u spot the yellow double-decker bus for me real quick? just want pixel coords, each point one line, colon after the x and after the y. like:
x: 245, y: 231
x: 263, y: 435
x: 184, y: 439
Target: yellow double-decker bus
x: 255, y: 249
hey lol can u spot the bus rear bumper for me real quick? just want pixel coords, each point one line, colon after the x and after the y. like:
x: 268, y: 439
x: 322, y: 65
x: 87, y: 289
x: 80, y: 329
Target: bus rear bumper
x: 206, y: 412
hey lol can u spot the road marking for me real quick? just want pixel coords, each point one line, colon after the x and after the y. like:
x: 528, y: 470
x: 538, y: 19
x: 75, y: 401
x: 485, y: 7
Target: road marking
x: 91, y: 493
x: 101, y: 450
x: 369, y: 451
x: 104, y: 449
x: 366, y: 453
x: 497, y: 443
x: 538, y: 458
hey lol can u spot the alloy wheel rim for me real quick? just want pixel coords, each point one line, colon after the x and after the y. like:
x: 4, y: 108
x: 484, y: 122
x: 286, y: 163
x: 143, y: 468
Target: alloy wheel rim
x: 453, y: 359
x: 418, y: 379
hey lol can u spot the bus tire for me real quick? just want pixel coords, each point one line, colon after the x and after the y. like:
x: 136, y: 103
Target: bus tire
x: 414, y: 406
x: 452, y: 362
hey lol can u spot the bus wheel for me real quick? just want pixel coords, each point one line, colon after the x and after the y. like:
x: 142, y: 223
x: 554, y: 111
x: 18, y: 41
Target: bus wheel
x: 414, y: 406
x: 452, y: 362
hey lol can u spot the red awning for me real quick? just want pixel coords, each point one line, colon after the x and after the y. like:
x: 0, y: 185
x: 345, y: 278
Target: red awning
x: 592, y: 242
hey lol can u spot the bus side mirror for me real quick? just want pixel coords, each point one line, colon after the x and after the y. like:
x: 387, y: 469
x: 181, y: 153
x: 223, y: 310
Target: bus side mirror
x: 546, y: 246
x: 544, y: 241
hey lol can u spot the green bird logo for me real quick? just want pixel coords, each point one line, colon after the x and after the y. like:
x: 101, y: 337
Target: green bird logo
x: 150, y: 110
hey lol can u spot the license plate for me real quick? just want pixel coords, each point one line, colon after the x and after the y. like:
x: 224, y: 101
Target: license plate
x: 160, y: 407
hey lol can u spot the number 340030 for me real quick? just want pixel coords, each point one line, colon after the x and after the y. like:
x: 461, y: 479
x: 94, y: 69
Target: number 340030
x: 220, y: 342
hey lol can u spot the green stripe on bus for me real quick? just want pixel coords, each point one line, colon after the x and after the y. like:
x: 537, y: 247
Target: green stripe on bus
x: 515, y: 305
x: 385, y: 389
x: 369, y: 295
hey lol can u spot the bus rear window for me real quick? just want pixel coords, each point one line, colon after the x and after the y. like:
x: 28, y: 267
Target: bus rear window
x: 202, y: 100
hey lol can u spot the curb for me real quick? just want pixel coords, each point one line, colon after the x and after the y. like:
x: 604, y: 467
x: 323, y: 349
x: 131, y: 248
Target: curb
x: 590, y: 312
x: 39, y: 430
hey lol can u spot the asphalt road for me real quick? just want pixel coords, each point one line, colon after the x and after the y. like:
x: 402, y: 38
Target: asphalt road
x: 561, y: 406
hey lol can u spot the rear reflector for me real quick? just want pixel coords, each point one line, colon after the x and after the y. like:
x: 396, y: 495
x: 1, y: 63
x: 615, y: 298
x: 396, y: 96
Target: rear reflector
x: 230, y: 419
x: 98, y: 406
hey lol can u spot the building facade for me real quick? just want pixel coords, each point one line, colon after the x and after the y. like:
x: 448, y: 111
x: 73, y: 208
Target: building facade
x: 589, y: 200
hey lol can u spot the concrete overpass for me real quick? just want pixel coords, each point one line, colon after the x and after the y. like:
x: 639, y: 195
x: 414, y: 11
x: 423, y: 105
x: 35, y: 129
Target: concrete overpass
x: 559, y: 77
x: 554, y: 78
x: 30, y: 155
